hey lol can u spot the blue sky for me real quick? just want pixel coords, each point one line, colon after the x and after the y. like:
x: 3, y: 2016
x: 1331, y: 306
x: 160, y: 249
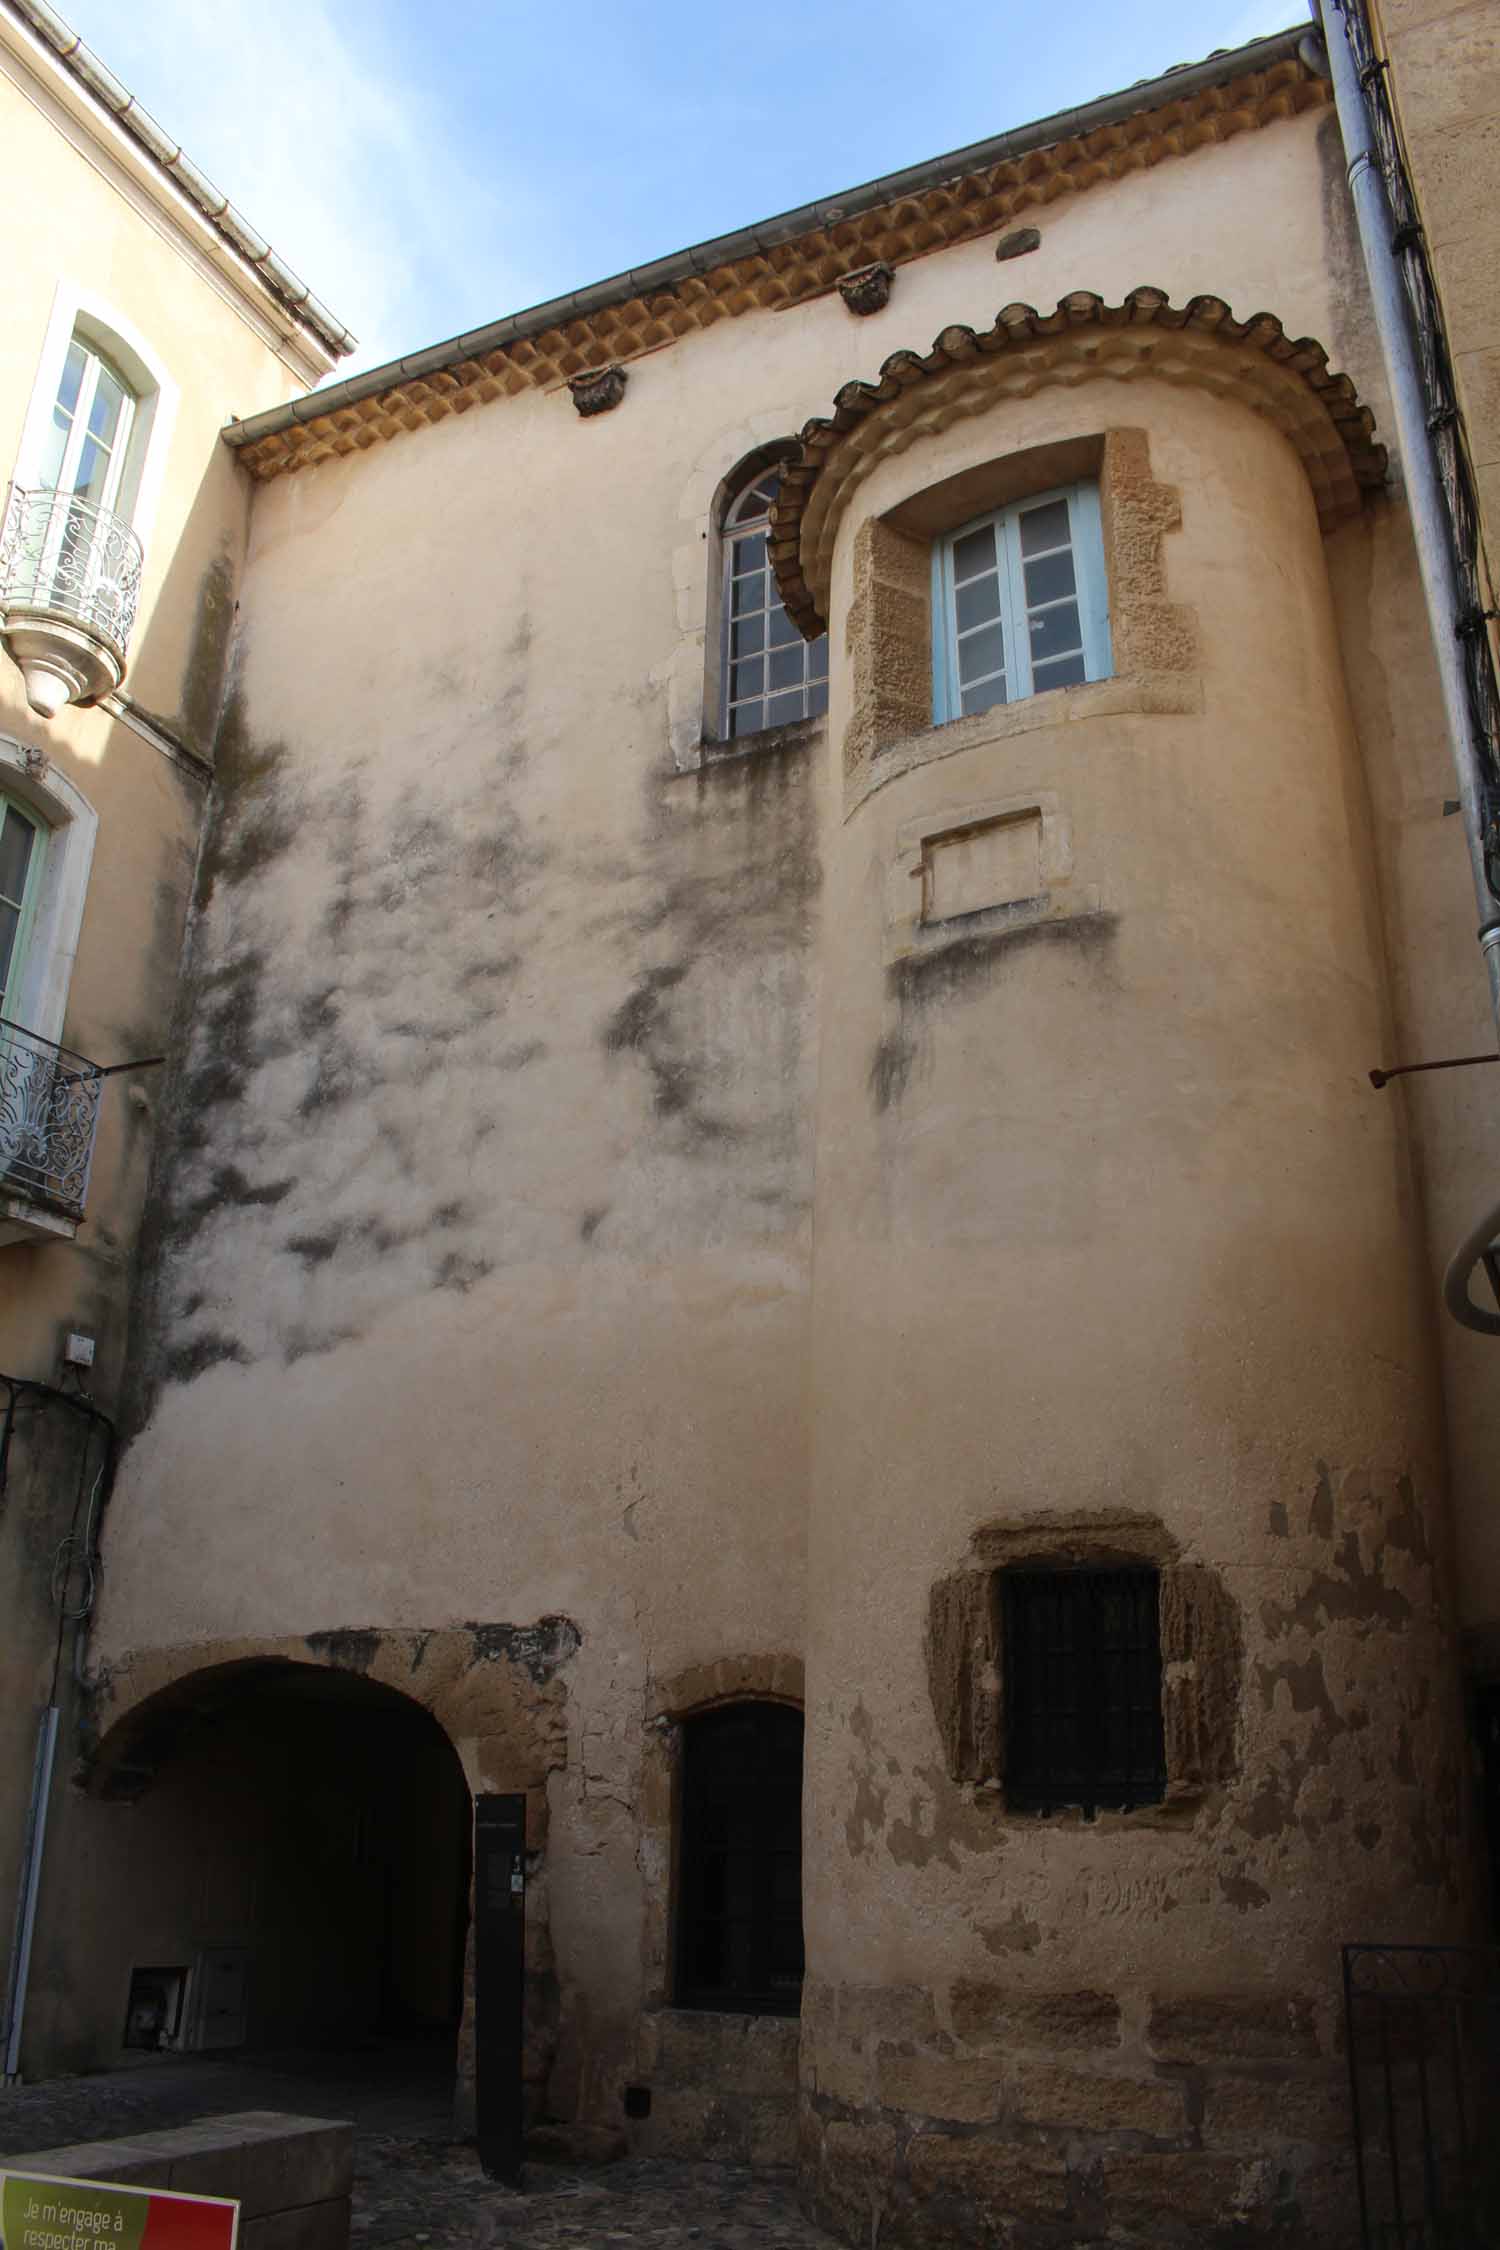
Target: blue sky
x: 427, y: 168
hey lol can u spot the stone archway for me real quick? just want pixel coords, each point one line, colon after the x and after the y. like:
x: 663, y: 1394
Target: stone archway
x: 294, y: 1871
x: 301, y: 1806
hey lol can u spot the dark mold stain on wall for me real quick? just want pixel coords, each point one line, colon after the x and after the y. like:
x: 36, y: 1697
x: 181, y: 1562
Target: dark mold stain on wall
x: 375, y: 1012
x: 919, y: 986
x: 727, y: 884
x: 541, y: 1649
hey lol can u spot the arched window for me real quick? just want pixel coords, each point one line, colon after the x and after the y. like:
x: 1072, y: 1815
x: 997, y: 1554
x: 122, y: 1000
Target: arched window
x: 771, y: 675
x: 88, y: 443
x: 739, y: 1913
x: 101, y: 412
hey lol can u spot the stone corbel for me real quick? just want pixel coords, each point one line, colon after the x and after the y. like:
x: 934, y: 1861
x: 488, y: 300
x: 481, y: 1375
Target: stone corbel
x: 598, y: 389
x: 869, y: 289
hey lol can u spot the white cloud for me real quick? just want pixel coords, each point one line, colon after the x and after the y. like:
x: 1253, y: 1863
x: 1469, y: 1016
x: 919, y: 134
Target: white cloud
x: 306, y: 125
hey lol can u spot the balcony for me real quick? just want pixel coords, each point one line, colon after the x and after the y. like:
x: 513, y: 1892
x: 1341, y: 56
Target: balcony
x: 70, y: 575
x: 49, y: 1108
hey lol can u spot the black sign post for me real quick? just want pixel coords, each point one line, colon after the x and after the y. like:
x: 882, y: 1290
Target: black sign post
x: 499, y: 1982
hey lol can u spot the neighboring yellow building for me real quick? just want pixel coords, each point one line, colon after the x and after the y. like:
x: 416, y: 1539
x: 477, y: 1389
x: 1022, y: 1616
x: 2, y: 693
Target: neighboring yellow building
x: 133, y: 319
x: 772, y: 1129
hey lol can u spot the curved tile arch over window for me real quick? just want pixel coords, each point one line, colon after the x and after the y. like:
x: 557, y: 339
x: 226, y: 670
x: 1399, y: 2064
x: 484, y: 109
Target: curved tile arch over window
x: 1287, y: 382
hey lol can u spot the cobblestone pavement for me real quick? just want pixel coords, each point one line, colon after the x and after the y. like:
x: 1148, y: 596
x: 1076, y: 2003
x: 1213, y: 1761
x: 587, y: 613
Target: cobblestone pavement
x: 414, y: 2184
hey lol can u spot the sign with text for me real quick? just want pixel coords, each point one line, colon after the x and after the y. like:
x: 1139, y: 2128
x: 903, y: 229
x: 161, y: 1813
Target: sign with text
x: 41, y: 2213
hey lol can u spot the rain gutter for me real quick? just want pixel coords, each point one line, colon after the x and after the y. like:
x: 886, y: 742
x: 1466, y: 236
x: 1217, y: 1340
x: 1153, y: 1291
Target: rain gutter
x: 1424, y: 495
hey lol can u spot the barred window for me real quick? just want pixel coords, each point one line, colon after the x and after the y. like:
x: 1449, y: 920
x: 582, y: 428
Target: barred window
x: 771, y: 674
x: 1083, y: 1682
x: 739, y: 1920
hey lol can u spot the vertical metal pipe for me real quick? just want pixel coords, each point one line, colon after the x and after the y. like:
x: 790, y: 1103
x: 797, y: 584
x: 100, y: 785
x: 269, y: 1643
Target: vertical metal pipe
x: 31, y: 1877
x: 1424, y: 495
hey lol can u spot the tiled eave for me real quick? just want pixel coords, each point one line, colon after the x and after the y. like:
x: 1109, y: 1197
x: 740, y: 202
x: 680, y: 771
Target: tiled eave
x: 623, y: 320
x: 1286, y: 380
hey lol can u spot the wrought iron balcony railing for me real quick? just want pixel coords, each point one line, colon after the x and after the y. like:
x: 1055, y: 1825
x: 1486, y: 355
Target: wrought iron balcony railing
x: 70, y: 577
x: 49, y: 1109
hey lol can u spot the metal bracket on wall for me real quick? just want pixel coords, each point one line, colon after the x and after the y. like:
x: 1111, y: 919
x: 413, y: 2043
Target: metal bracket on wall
x: 1379, y: 1078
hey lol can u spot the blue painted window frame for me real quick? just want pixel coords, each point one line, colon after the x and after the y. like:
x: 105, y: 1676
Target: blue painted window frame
x: 1086, y: 538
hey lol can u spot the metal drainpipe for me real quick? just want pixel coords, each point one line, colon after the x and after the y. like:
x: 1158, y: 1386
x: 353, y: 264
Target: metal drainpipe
x: 36, y: 1831
x: 1424, y: 495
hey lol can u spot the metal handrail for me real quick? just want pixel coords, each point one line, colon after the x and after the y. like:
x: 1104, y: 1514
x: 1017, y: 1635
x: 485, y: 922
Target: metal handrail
x: 49, y: 1113
x: 62, y: 555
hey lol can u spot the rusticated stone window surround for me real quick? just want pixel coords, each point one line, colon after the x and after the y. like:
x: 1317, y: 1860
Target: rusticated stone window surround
x: 1201, y: 1655
x: 680, y: 1695
x: 1154, y: 640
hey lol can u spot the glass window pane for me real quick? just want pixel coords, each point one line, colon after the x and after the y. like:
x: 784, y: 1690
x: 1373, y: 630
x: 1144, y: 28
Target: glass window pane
x: 104, y: 414
x: 1044, y: 527
x: 817, y: 658
x: 93, y: 468
x: 749, y: 553
x: 10, y: 922
x: 53, y: 450
x: 982, y: 653
x: 750, y: 593
x: 782, y: 708
x: 72, y: 378
x: 748, y: 637
x: 749, y: 679
x: 986, y: 692
x: 17, y: 837
x: 785, y: 667
x: 747, y: 718
x: 1055, y: 630
x: 1051, y: 578
x: 817, y: 698
x: 1065, y: 671
x: 782, y: 629
x: 974, y: 552
x: 978, y: 602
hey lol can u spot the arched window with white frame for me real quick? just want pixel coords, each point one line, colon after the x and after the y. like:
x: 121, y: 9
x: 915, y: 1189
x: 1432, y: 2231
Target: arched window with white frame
x: 83, y: 490
x: 770, y: 674
x: 87, y: 447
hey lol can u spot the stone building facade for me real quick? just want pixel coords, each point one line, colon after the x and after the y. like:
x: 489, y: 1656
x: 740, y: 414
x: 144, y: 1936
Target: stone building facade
x: 770, y: 1190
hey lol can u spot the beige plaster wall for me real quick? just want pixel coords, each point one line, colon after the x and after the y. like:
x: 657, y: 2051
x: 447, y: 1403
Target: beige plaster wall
x: 516, y: 1265
x: 81, y: 229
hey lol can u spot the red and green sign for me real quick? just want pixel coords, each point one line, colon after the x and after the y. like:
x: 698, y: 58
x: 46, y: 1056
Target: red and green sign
x: 38, y: 2213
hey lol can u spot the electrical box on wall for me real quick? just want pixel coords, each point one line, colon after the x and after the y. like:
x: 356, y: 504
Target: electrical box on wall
x: 78, y: 1350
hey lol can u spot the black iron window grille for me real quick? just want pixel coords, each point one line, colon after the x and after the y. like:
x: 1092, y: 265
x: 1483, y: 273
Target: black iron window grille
x: 1083, y: 1723
x: 1422, y: 2025
x: 739, y: 1920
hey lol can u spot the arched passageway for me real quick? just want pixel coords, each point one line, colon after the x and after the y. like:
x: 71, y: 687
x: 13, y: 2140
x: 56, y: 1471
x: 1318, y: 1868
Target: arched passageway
x: 296, y: 1868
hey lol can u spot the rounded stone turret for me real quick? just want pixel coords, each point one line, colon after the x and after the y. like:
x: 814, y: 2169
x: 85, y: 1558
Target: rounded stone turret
x: 1128, y: 1685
